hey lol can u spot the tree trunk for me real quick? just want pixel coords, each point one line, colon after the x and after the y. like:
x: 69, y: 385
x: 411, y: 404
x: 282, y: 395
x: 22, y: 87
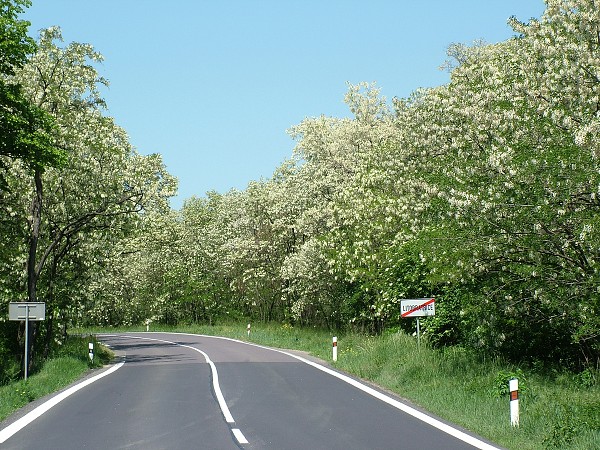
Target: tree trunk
x: 32, y: 270
x: 34, y: 235
x: 49, y: 334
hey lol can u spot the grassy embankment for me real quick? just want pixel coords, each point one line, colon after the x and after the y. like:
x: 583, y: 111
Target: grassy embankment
x: 68, y: 364
x: 558, y: 410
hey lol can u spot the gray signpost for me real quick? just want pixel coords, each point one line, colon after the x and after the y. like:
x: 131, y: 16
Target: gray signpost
x: 27, y: 311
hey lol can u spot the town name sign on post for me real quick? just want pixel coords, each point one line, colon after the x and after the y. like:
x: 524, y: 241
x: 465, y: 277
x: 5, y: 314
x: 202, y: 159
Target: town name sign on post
x: 417, y: 307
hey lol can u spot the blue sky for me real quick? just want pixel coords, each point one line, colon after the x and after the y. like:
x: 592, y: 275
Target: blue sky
x: 214, y: 85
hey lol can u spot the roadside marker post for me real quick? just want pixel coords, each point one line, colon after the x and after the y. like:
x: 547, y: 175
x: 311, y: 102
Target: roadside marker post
x: 248, y: 329
x: 335, y: 348
x: 91, y: 351
x: 33, y: 311
x: 513, y: 387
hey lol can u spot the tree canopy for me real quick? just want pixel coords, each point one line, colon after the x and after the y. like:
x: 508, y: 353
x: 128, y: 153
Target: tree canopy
x: 26, y: 130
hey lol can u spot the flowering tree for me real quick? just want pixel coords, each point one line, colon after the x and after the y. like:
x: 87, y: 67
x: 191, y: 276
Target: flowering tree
x: 511, y: 169
x: 482, y: 192
x: 25, y: 129
x: 81, y: 209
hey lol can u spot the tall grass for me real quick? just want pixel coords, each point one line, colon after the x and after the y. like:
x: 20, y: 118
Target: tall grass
x: 556, y: 410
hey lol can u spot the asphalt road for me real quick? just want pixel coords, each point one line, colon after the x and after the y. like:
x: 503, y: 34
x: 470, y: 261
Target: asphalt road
x: 178, y: 391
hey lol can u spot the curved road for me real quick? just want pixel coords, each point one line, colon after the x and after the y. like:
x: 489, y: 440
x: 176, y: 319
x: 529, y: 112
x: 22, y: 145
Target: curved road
x: 178, y: 391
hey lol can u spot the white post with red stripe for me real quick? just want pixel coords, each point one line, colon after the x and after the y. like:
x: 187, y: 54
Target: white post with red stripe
x: 513, y: 387
x: 335, y: 348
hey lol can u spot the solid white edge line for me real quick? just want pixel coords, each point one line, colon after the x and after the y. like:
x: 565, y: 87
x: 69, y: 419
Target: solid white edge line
x: 213, y: 369
x: 239, y: 436
x: 216, y: 386
x: 38, y: 411
x: 467, y: 438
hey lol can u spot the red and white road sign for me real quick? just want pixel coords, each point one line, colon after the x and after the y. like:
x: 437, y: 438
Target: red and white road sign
x: 417, y: 307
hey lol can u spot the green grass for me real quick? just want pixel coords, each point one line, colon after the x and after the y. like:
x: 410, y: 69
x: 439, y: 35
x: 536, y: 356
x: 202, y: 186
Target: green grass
x: 69, y: 364
x: 558, y: 410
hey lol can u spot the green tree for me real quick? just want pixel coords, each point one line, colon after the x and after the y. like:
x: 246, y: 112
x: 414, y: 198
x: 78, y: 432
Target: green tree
x: 26, y: 130
x: 508, y: 159
x: 93, y: 200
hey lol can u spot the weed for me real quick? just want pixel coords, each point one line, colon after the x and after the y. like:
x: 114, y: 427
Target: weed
x: 587, y: 378
x: 24, y: 392
x: 571, y: 421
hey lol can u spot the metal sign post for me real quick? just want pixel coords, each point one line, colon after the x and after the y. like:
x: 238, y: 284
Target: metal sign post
x: 417, y: 307
x: 26, y: 311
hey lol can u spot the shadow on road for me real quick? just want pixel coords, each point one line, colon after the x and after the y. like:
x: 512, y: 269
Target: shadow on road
x: 152, y: 352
